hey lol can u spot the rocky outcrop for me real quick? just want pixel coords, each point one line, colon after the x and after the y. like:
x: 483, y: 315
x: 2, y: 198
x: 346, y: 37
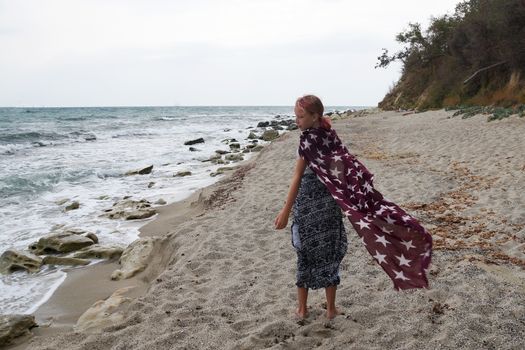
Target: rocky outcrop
x: 236, y: 157
x: 270, y: 135
x: 14, y: 326
x: 182, y: 174
x: 222, y: 170
x: 143, y: 171
x: 135, y: 258
x: 128, y: 209
x: 97, y: 251
x: 104, y: 313
x: 14, y: 260
x: 193, y: 142
x: 64, y: 241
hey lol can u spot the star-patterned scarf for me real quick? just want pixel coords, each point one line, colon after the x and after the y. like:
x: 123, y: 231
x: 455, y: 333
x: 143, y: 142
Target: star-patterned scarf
x: 395, y: 239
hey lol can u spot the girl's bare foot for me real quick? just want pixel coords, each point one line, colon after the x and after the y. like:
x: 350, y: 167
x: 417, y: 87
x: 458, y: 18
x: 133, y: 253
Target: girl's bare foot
x: 330, y: 314
x: 301, y: 314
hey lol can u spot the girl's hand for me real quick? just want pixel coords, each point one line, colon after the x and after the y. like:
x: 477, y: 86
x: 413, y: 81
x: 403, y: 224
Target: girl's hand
x: 282, y: 219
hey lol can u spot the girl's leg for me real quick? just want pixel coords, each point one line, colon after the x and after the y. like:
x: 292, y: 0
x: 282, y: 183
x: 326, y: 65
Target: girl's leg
x: 331, y: 311
x: 302, y: 297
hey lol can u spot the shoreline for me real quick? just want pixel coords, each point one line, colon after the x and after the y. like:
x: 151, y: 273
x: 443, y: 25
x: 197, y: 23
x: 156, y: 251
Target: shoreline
x: 227, y: 281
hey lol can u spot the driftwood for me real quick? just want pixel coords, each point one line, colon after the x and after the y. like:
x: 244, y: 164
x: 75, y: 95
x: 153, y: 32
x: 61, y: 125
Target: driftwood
x: 483, y: 69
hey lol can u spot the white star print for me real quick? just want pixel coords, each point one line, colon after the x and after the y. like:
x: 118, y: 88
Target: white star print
x: 363, y: 223
x: 382, y: 239
x: 426, y: 254
x: 403, y: 260
x: 385, y: 230
x: 400, y: 275
x: 380, y: 258
x: 313, y: 136
x: 339, y: 190
x: 368, y: 187
x: 363, y: 240
x: 335, y: 172
x: 408, y: 245
x: 306, y: 144
x: 326, y: 142
x: 336, y: 158
x: 319, y: 160
x: 406, y: 218
x: 359, y: 174
x: 390, y: 220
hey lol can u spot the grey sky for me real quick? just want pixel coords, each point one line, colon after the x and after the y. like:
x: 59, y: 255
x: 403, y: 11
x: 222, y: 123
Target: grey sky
x: 200, y: 52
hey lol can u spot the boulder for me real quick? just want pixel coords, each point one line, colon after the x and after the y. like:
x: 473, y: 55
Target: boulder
x: 292, y: 127
x: 235, y: 146
x: 193, y: 149
x: 160, y: 201
x: 263, y: 124
x: 14, y: 260
x: 151, y: 184
x: 64, y: 241
x: 192, y: 142
x: 57, y: 260
x: 97, y: 251
x: 221, y: 152
x: 236, y: 157
x: 74, y: 205
x: 270, y: 135
x: 135, y: 258
x: 104, y: 313
x: 129, y: 209
x: 14, y: 326
x: 252, y: 136
x: 182, y: 173
x: 277, y: 127
x: 257, y: 148
x: 143, y: 171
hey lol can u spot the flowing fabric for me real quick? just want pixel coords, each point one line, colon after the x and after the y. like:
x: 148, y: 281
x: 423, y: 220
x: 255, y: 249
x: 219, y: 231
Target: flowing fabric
x: 396, y: 240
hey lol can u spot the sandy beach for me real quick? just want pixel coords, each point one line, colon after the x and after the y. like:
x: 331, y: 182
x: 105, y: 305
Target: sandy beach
x: 224, y: 278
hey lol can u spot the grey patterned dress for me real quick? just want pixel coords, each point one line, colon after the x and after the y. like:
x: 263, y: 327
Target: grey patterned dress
x: 318, y: 234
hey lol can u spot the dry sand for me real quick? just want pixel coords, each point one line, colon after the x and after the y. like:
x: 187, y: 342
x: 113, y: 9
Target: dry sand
x: 225, y: 279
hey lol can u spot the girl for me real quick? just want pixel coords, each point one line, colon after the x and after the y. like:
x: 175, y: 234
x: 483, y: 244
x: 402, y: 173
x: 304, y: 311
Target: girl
x: 328, y: 178
x: 319, y: 237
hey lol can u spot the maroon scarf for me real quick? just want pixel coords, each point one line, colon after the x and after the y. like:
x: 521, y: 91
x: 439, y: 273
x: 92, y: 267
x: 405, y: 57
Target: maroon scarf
x: 395, y: 239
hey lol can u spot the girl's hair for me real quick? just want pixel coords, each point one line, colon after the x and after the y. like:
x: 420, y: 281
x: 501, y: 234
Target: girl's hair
x: 313, y: 105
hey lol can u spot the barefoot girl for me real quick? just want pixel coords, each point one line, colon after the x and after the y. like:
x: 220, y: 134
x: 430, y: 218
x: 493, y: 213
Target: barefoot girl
x: 329, y: 179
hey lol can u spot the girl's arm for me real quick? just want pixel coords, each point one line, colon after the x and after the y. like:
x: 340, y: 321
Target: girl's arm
x: 282, y: 219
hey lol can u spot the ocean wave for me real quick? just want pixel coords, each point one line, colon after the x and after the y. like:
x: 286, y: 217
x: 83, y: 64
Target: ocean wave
x: 34, y: 184
x: 31, y: 136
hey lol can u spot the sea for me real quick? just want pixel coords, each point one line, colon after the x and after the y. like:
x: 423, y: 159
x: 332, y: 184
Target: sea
x: 50, y: 157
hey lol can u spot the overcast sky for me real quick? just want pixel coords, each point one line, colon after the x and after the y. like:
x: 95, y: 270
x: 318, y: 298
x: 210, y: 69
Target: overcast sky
x: 200, y: 52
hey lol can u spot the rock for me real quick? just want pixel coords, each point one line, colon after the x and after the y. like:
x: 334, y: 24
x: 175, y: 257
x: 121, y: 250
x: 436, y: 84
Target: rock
x: 252, y: 136
x: 221, y: 152
x: 270, y: 135
x: 277, y: 127
x: 128, y: 209
x: 234, y: 157
x: 250, y: 145
x: 103, y: 197
x: 292, y: 127
x: 263, y: 124
x: 192, y: 142
x: 182, y: 173
x: 104, y: 313
x: 14, y: 260
x: 246, y: 150
x: 235, y: 146
x: 65, y: 241
x: 97, y: 251
x: 193, y: 149
x: 143, y: 171
x: 257, y: 148
x: 160, y: 202
x: 218, y: 161
x: 74, y: 205
x: 151, y: 184
x: 227, y: 141
x: 222, y: 170
x: 14, y: 326
x: 57, y: 260
x: 92, y: 237
x: 135, y: 258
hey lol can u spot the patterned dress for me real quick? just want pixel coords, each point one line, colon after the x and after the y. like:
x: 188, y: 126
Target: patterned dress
x: 318, y: 234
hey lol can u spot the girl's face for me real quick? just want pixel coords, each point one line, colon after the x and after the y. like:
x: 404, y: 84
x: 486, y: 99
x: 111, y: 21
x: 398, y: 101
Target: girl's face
x: 304, y: 119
